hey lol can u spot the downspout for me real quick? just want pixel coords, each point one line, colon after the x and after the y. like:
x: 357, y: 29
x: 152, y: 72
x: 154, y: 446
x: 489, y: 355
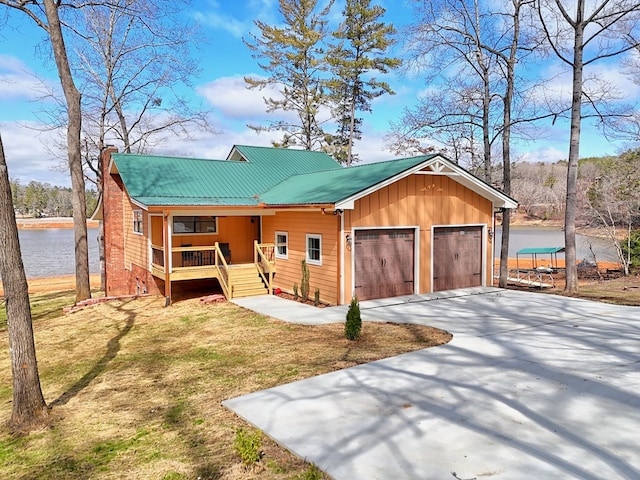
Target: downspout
x: 341, y: 243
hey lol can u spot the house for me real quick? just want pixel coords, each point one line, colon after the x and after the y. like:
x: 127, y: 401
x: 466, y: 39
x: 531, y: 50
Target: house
x: 408, y: 226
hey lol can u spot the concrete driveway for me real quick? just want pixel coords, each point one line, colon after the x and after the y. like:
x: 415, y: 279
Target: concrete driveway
x: 532, y: 386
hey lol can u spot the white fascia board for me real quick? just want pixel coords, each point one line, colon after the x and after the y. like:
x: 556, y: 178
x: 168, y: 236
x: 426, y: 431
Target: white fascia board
x: 139, y: 204
x: 113, y: 168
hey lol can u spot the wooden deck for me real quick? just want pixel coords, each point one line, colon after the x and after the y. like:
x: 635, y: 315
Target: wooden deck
x: 208, y: 262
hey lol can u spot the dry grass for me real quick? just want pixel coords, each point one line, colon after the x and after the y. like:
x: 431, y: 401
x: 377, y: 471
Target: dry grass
x: 135, y: 388
x: 620, y: 291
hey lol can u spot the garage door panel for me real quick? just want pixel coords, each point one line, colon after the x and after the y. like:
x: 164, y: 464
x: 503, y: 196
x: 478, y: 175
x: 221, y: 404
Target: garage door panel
x: 384, y: 263
x: 457, y: 257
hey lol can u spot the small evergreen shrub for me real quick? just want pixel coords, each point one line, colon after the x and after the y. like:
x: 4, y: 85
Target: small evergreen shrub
x: 304, y: 284
x: 295, y: 291
x: 353, y: 325
x: 316, y: 297
x: 248, y: 445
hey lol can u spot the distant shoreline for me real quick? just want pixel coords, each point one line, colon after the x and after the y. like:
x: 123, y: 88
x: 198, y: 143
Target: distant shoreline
x: 49, y: 222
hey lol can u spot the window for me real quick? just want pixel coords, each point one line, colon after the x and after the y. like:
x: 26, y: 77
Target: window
x: 282, y: 245
x: 193, y: 224
x: 314, y: 249
x: 137, y: 221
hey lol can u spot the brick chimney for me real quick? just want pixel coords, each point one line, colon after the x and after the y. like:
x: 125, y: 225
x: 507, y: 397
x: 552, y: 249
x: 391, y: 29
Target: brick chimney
x: 113, y: 197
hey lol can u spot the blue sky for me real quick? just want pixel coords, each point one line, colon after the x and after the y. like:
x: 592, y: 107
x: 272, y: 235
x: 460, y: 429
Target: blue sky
x: 220, y: 87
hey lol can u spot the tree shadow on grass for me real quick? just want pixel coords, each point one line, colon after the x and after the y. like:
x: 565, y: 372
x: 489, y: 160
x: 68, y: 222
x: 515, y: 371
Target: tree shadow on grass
x: 113, y: 347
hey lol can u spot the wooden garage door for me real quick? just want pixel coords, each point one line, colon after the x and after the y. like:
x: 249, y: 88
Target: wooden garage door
x: 457, y: 258
x: 384, y: 263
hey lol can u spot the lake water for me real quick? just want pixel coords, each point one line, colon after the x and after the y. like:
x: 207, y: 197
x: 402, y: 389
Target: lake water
x: 524, y: 237
x: 50, y: 252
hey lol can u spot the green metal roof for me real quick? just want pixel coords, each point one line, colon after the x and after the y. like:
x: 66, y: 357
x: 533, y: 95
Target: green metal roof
x: 338, y: 184
x: 160, y: 180
x: 253, y: 176
x: 539, y: 250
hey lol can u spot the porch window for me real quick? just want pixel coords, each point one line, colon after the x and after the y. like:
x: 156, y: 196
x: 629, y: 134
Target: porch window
x: 194, y: 224
x: 282, y: 245
x: 314, y: 249
x: 137, y: 221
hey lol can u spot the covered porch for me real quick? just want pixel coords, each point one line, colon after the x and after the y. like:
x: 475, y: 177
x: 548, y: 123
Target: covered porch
x: 225, y: 248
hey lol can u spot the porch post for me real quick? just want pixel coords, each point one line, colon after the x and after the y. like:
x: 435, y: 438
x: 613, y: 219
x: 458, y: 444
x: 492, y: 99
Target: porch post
x: 166, y: 234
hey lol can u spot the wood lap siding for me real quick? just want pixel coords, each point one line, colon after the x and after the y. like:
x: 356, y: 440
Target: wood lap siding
x: 298, y: 225
x: 419, y: 200
x: 136, y: 246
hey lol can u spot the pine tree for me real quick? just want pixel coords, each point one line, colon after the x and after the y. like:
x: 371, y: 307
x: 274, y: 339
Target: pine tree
x: 353, y: 325
x: 293, y: 57
x: 361, y: 43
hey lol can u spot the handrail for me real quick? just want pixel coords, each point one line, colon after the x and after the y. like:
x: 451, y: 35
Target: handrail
x: 262, y: 263
x: 223, y: 274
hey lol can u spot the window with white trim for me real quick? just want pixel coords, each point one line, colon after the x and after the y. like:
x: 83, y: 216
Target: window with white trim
x: 194, y: 224
x: 137, y: 221
x: 282, y: 245
x: 314, y: 249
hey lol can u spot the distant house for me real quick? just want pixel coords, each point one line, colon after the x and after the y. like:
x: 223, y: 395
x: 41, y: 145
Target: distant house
x: 406, y: 226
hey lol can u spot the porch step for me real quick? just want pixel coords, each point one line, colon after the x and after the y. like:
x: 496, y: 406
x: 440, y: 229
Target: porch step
x: 246, y: 281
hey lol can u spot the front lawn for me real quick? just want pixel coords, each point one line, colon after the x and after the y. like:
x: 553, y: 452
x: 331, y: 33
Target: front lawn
x: 135, y: 388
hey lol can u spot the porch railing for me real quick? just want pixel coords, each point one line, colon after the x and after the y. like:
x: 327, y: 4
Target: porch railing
x: 157, y: 256
x: 223, y: 271
x: 264, y: 259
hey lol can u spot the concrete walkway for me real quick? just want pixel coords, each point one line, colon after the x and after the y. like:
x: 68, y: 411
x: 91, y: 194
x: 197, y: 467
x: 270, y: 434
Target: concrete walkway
x: 532, y: 386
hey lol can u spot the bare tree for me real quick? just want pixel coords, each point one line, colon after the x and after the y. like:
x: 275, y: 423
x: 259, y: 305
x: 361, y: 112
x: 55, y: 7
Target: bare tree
x: 592, y: 31
x: 131, y: 62
x: 451, y: 34
x: 508, y: 56
x: 610, y: 200
x: 29, y: 407
x: 46, y: 14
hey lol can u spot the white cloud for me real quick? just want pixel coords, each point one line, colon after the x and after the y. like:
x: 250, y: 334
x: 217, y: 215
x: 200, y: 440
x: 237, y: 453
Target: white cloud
x: 17, y: 81
x: 543, y: 154
x: 28, y: 152
x: 230, y: 96
x: 234, y: 101
x: 223, y: 22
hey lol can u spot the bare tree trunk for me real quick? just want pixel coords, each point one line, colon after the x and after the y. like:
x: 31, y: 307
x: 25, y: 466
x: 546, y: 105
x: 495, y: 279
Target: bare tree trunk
x: 29, y: 407
x: 506, y: 143
x: 574, y: 153
x: 72, y: 97
x: 486, y: 141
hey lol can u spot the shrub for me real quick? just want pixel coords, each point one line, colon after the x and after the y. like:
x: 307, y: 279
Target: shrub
x: 295, y: 291
x: 248, y: 445
x: 316, y: 297
x: 304, y: 284
x: 634, y: 252
x: 353, y: 325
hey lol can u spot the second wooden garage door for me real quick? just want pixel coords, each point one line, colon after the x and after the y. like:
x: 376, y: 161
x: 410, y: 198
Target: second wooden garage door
x: 457, y: 258
x: 384, y: 263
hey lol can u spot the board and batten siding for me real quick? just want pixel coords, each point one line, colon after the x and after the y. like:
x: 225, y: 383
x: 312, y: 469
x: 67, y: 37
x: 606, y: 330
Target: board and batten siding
x: 289, y: 271
x: 422, y: 201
